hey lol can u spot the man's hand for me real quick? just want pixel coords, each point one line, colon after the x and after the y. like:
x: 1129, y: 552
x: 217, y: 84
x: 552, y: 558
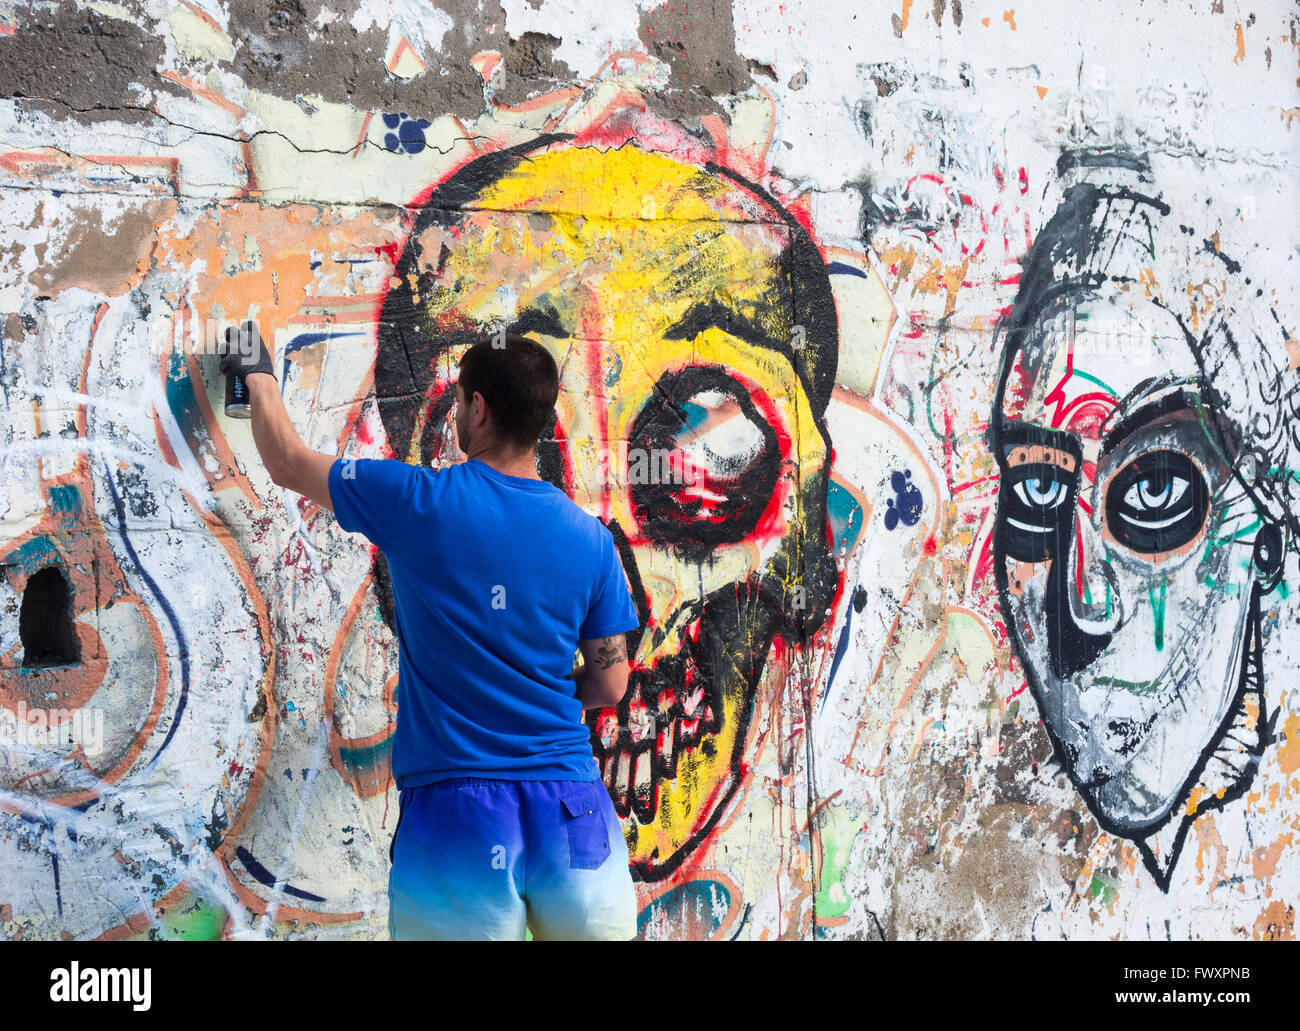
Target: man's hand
x: 246, y: 352
x: 290, y: 462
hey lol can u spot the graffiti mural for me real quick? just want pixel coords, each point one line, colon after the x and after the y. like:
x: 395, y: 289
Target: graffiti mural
x: 937, y: 373
x: 1143, y: 509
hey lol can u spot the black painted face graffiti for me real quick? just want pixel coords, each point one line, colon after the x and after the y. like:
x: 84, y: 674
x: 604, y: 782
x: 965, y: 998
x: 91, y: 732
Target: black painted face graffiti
x: 1127, y: 543
x: 688, y: 421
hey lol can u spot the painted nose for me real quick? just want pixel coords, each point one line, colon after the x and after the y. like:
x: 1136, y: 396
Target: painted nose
x: 1083, y: 602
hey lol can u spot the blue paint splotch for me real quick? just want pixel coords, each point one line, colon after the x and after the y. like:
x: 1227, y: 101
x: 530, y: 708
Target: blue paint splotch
x: 906, y: 505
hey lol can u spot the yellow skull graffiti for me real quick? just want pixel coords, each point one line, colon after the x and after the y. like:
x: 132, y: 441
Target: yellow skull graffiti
x: 693, y: 326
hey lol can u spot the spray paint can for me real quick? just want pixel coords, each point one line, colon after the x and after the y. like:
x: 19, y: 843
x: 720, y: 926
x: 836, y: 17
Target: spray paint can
x: 238, y: 406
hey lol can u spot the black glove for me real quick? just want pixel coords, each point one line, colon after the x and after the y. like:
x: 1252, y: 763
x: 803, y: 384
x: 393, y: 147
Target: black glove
x: 245, y: 351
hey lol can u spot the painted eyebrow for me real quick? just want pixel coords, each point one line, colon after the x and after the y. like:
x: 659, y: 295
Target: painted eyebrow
x: 540, y: 318
x: 714, y: 315
x: 1016, y: 433
x: 1179, y: 400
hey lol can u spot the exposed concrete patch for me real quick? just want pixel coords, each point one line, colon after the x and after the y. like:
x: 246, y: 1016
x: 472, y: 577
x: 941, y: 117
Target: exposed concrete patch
x: 697, y: 40
x: 99, y: 257
x: 982, y: 891
x: 529, y: 66
x: 290, y: 49
x: 97, y: 67
x: 14, y: 329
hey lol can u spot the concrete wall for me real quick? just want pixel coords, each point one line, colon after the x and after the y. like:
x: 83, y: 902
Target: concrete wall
x: 980, y: 324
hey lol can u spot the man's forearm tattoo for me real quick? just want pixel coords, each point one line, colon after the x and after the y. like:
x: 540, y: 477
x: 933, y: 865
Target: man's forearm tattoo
x: 612, y: 650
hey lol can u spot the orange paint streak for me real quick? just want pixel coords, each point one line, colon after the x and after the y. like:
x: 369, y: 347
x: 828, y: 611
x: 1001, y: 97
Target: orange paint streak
x: 96, y: 582
x: 361, y: 136
x: 36, y: 163
x: 372, y: 785
x: 1288, y: 756
x: 404, y: 47
x: 202, y: 15
x: 210, y: 95
x: 1275, y: 923
x: 485, y: 63
x: 266, y: 732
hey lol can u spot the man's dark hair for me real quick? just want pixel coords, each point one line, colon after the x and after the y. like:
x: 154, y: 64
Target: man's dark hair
x: 519, y: 381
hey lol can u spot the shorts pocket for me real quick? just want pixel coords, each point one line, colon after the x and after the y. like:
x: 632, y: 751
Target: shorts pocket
x: 588, y: 834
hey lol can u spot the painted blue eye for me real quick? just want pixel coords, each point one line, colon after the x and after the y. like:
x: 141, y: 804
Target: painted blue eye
x: 1156, y: 494
x: 1157, y: 503
x: 1035, y: 510
x: 1040, y: 492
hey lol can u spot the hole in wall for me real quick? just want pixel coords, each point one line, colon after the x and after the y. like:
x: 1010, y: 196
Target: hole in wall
x: 45, y: 625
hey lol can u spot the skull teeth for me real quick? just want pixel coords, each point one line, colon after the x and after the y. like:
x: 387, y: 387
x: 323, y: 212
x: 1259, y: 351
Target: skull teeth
x: 639, y: 747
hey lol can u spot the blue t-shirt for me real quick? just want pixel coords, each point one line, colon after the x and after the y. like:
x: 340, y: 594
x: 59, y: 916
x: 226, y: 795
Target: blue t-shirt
x: 495, y: 580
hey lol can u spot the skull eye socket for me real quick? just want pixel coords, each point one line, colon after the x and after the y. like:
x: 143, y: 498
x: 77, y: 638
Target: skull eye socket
x: 702, y: 460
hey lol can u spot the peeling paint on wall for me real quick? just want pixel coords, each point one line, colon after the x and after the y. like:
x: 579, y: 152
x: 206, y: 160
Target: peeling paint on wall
x: 984, y: 625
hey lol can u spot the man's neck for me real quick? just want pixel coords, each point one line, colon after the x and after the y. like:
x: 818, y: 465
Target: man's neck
x: 506, y: 462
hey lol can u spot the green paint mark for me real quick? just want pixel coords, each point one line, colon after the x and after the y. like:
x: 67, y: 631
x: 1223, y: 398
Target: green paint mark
x: 1214, y: 541
x: 201, y: 922
x: 193, y: 919
x: 1231, y: 590
x: 970, y: 641
x: 839, y: 828
x: 1108, y: 599
x: 1131, y: 686
x: 1104, y: 887
x: 182, y: 400
x: 1158, y: 607
x: 1093, y: 379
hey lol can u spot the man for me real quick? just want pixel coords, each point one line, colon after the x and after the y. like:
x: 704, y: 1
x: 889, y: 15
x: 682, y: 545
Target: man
x: 503, y: 820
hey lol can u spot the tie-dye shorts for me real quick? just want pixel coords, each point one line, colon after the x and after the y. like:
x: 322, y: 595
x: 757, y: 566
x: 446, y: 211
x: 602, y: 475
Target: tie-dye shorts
x: 481, y: 859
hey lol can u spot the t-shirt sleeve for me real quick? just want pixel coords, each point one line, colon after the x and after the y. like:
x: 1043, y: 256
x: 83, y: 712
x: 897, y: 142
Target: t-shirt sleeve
x: 612, y: 611
x: 374, y: 497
